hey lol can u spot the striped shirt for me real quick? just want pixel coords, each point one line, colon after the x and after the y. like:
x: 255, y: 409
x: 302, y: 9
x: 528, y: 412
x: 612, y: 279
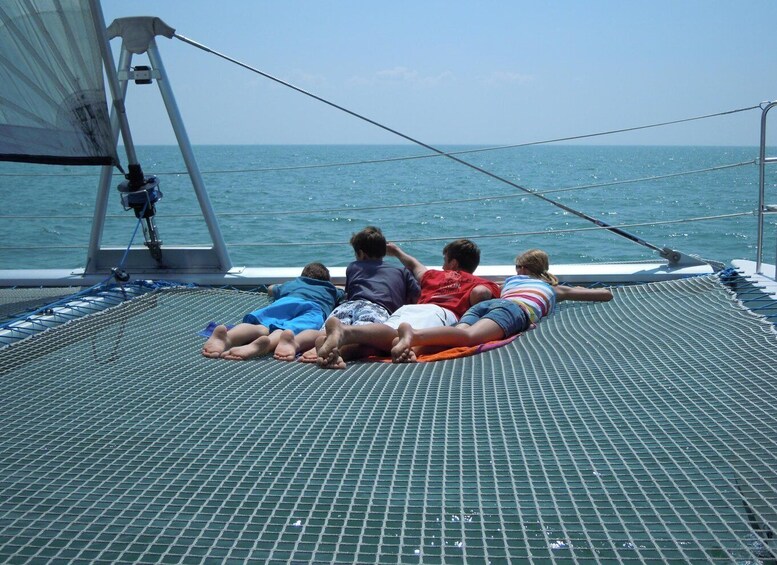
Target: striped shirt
x: 535, y: 296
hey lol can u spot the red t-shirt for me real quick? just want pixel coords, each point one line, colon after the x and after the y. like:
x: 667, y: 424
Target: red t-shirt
x: 450, y: 289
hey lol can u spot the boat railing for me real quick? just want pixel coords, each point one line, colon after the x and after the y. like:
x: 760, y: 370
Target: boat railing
x: 763, y: 207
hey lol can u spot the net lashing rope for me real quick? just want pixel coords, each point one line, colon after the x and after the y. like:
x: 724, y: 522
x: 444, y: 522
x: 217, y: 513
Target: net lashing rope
x: 642, y: 429
x: 70, y: 306
x: 15, y: 302
x: 25, y: 312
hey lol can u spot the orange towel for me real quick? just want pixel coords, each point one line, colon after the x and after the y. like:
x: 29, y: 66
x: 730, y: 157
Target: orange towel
x: 454, y: 352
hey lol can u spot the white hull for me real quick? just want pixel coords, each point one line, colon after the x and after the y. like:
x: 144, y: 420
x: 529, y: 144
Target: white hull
x: 575, y: 273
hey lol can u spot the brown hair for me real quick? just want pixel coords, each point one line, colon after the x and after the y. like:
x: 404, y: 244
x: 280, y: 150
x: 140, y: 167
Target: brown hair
x: 316, y: 271
x: 370, y: 241
x: 466, y: 252
x: 537, y: 263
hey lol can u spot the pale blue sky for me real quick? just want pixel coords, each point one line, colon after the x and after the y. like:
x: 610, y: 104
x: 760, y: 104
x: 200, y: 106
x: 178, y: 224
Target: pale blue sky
x: 450, y: 72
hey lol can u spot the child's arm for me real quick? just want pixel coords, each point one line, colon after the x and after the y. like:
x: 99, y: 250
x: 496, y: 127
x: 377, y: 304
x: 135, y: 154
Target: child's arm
x: 275, y: 290
x: 582, y: 293
x: 481, y: 293
x: 411, y: 263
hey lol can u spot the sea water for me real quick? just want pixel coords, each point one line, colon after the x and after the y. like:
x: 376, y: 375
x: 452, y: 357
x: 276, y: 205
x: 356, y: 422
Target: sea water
x: 290, y: 205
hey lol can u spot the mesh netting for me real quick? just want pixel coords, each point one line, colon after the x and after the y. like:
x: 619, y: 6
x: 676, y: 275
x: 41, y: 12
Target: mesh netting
x: 17, y: 301
x: 643, y: 429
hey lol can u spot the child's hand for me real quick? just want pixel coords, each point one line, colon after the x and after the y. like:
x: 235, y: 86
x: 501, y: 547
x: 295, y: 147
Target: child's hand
x: 392, y: 250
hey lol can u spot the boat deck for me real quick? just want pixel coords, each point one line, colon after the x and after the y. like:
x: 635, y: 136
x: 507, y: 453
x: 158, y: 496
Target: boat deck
x: 638, y: 430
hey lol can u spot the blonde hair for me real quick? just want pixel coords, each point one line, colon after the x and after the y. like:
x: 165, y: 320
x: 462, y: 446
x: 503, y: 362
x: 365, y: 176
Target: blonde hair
x: 537, y: 263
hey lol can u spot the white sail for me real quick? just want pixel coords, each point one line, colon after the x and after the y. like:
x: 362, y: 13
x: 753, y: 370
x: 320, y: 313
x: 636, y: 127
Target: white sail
x: 53, y: 106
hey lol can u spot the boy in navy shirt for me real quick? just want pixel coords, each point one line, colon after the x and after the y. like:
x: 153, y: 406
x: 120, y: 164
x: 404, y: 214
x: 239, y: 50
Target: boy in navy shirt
x: 374, y: 289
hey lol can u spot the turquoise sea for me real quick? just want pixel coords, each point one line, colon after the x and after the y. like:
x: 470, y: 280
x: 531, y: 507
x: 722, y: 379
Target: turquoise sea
x: 289, y: 205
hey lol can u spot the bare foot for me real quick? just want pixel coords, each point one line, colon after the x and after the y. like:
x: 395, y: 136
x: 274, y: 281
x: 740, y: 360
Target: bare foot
x: 400, y: 357
x: 327, y: 350
x: 260, y: 346
x: 402, y: 347
x: 337, y: 363
x: 310, y: 356
x: 217, y: 343
x: 286, y: 350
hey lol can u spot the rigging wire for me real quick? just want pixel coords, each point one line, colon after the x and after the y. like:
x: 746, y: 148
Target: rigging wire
x: 406, y: 157
x: 514, y: 234
x: 483, y: 198
x: 416, y: 204
x: 596, y: 221
x: 551, y: 231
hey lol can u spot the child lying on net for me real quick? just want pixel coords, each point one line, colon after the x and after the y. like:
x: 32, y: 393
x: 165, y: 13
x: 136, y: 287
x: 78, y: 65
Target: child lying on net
x: 301, y: 304
x: 524, y: 300
x: 445, y: 295
x: 374, y: 290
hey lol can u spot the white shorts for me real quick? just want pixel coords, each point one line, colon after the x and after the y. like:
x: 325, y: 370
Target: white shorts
x: 421, y: 316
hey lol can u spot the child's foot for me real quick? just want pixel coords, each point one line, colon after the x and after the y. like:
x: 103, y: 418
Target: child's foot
x: 336, y: 363
x: 217, y: 343
x: 402, y: 346
x: 310, y: 356
x: 260, y: 346
x: 328, y: 352
x: 286, y: 350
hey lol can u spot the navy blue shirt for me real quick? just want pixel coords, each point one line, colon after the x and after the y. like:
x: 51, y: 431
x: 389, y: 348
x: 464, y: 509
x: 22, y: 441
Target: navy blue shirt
x: 389, y: 285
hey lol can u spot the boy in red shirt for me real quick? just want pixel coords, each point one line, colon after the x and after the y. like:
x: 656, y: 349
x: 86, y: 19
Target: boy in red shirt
x: 445, y: 295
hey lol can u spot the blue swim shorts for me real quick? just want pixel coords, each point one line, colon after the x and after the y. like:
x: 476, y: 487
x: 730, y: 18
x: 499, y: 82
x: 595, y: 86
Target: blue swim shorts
x: 288, y: 313
x: 506, y: 313
x: 360, y: 312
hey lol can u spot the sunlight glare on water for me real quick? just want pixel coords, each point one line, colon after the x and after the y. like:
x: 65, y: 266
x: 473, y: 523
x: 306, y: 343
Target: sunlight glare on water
x: 276, y: 211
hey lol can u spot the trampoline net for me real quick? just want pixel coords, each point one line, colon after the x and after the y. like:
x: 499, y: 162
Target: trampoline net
x: 15, y: 302
x: 643, y: 429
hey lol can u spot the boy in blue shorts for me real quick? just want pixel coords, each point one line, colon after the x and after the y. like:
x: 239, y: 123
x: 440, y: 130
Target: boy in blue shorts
x: 374, y: 290
x: 301, y: 304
